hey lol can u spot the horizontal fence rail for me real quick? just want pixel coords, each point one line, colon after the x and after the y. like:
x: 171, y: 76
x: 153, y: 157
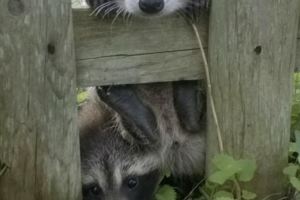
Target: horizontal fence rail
x: 138, y: 50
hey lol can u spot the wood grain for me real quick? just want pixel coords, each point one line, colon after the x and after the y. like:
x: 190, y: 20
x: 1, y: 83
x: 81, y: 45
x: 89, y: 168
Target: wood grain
x: 38, y: 133
x: 298, y: 51
x: 138, y: 51
x: 103, y: 48
x: 252, y: 57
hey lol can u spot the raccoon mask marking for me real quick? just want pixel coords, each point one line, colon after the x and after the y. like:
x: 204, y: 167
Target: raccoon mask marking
x: 112, y: 169
x: 146, y: 8
x: 131, y: 135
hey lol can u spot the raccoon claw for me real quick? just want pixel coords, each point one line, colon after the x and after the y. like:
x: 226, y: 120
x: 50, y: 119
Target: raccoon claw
x: 189, y: 105
x: 137, y: 118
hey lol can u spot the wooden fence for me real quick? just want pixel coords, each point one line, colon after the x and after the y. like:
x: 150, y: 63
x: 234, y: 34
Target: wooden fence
x: 252, y: 90
x: 140, y: 51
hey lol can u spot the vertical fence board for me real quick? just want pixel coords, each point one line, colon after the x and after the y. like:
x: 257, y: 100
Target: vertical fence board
x: 38, y: 133
x: 298, y: 51
x: 252, y: 47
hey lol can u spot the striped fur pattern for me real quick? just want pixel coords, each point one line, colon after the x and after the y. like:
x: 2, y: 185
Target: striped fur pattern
x: 111, y: 155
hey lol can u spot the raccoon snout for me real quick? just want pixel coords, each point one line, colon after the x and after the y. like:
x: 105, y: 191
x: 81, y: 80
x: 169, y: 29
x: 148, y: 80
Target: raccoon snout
x: 151, y: 6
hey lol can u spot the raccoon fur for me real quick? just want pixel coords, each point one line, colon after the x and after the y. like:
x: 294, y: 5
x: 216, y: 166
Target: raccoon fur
x: 147, y: 8
x: 131, y: 135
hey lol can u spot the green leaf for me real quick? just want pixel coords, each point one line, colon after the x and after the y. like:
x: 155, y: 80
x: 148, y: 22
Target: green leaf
x: 165, y: 192
x: 248, y: 195
x: 224, y: 198
x: 291, y: 170
x: 247, y: 170
x: 210, y: 185
x: 220, y: 177
x: 228, y: 167
x: 222, y: 161
x: 295, y: 183
x: 82, y: 96
x: 223, y: 193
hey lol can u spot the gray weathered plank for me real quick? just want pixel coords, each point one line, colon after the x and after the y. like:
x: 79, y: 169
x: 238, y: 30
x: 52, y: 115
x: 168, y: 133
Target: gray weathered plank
x: 158, y: 67
x: 299, y: 31
x: 154, y: 47
x: 252, y: 89
x: 38, y: 132
x: 100, y: 45
x: 298, y: 56
x: 298, y: 51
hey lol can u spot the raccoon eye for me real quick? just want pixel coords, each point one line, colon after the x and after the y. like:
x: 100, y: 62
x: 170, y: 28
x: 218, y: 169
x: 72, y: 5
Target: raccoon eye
x: 95, y: 190
x: 132, y: 182
x: 92, y: 190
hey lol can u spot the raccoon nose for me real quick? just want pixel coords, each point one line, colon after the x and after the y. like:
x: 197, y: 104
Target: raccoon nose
x: 151, y: 6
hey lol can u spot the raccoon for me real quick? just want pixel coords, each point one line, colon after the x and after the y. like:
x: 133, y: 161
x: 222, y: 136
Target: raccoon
x: 147, y: 8
x: 131, y: 135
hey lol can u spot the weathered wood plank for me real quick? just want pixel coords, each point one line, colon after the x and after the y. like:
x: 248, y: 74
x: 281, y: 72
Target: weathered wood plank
x: 38, y: 132
x: 298, y: 51
x: 100, y: 45
x: 157, y: 67
x: 152, y: 46
x: 299, y: 31
x: 252, y: 56
x: 298, y: 56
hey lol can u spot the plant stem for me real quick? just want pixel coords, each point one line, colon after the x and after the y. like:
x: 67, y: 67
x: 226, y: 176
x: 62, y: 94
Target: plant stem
x: 209, y: 90
x: 238, y: 190
x: 204, y: 194
x: 194, y: 188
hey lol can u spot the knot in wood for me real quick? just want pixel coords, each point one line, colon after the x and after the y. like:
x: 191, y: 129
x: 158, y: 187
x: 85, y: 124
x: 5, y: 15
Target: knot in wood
x: 51, y: 49
x: 258, y: 49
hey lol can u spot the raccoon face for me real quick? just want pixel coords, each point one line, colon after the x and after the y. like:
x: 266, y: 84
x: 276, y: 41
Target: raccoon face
x: 146, y: 8
x: 113, y: 169
x: 133, y: 187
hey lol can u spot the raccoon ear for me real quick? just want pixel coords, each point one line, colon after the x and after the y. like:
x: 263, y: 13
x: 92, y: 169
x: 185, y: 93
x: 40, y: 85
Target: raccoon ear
x: 137, y: 118
x: 189, y: 104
